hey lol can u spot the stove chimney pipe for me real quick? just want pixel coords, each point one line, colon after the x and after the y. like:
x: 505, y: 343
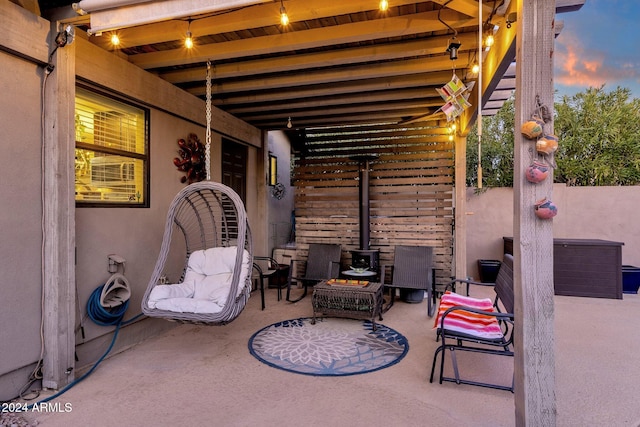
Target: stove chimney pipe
x: 364, y: 206
x: 363, y: 174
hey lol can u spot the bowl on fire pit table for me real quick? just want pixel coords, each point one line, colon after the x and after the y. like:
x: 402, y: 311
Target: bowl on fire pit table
x: 359, y: 270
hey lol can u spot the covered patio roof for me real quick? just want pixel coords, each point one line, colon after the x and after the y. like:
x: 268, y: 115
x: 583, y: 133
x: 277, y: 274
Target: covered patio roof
x: 334, y: 64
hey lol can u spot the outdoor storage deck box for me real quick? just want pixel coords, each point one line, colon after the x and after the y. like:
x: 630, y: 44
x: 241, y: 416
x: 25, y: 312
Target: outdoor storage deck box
x: 584, y: 267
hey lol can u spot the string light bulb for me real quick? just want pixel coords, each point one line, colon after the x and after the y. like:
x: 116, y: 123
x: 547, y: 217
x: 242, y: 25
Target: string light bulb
x: 384, y: 5
x: 188, y: 41
x: 284, y: 18
x: 487, y: 32
x: 475, y: 68
x: 289, y: 124
x: 489, y: 40
x: 115, y: 40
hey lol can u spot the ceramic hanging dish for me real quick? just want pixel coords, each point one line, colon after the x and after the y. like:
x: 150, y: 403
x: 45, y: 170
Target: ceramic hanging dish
x: 537, y: 172
x: 548, y: 144
x: 545, y: 209
x: 532, y: 128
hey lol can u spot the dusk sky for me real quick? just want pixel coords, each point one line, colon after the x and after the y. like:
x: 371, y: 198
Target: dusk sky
x: 599, y: 45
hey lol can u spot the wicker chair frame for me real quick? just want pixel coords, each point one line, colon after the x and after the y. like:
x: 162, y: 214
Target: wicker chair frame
x: 207, y: 214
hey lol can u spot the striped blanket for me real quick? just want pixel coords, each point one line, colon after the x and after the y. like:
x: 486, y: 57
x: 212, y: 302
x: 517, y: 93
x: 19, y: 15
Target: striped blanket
x: 478, y: 325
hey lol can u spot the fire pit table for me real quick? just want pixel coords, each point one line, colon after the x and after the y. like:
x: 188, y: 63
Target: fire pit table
x: 354, y: 299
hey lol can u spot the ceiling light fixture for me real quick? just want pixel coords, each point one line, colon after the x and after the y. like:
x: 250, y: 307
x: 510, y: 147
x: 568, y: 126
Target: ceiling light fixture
x: 115, y: 40
x: 384, y: 5
x: 284, y: 18
x: 454, y: 45
x: 188, y: 41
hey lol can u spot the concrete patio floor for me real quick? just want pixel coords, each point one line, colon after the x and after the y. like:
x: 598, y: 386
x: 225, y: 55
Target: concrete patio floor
x: 198, y: 375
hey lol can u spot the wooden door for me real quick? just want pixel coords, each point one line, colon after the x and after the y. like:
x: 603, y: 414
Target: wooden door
x: 234, y: 167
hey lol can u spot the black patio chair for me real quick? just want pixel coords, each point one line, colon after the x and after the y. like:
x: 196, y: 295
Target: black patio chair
x: 411, y: 269
x: 477, y: 325
x: 265, y: 267
x: 272, y: 269
x: 322, y: 263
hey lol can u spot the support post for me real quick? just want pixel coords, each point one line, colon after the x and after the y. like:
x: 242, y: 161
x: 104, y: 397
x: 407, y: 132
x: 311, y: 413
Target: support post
x: 59, y: 219
x: 535, y: 397
x: 460, y: 212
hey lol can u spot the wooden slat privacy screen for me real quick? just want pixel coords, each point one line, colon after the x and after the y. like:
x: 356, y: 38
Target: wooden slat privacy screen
x: 410, y: 189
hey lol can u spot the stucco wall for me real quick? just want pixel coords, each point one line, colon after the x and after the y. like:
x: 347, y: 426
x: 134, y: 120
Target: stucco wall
x: 133, y: 233
x: 136, y: 234
x: 20, y: 218
x: 607, y: 213
x: 280, y: 210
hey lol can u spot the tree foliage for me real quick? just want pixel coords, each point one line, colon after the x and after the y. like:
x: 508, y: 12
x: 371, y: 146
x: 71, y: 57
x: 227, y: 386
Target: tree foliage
x: 599, y: 141
x: 599, y: 136
x: 496, y: 149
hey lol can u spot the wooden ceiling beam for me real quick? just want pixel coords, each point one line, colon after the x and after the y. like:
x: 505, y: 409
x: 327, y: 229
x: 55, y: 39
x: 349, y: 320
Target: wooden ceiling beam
x: 414, y: 81
x: 363, y: 118
x: 368, y: 97
x: 387, y: 69
x: 256, y: 16
x: 355, y: 105
x: 338, y: 57
x: 468, y: 7
x: 361, y: 108
x: 426, y: 22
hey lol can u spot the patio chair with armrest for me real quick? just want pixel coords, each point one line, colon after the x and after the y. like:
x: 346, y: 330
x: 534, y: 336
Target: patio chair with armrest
x: 411, y: 269
x: 322, y: 263
x: 271, y: 268
x: 265, y: 267
x: 476, y: 325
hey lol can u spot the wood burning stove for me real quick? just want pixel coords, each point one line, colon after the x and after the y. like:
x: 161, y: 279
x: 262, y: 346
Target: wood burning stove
x: 365, y: 258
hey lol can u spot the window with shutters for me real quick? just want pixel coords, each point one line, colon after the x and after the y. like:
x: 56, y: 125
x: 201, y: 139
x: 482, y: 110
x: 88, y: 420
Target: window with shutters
x: 111, y: 164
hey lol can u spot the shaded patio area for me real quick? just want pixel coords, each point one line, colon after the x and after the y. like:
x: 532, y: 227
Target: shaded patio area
x: 196, y: 375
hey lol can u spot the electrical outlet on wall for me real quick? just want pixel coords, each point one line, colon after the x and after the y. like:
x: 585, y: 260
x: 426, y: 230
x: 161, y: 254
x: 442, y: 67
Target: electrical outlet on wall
x: 115, y: 261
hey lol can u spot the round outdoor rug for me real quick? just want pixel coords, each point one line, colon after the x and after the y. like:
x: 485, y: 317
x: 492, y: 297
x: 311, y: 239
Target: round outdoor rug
x: 331, y: 347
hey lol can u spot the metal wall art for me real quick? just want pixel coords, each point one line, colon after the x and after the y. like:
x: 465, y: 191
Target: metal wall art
x: 191, y: 160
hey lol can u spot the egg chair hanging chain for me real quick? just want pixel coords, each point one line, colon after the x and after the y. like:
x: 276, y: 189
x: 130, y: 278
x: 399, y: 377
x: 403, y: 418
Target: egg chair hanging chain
x: 207, y: 150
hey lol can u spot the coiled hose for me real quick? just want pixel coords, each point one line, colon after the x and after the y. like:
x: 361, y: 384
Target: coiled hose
x: 104, y: 317
x: 101, y: 315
